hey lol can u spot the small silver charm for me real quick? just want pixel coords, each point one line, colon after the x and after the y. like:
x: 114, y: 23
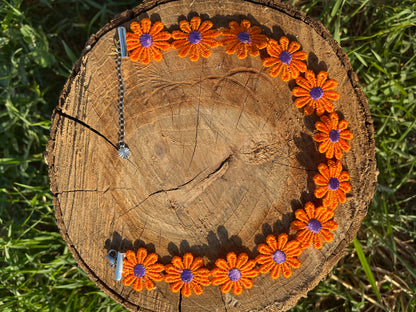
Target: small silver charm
x: 116, y: 261
x: 124, y: 152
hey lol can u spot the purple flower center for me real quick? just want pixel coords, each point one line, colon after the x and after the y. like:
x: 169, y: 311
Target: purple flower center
x: 146, y: 40
x: 279, y: 257
x: 244, y: 37
x: 195, y: 37
x: 316, y: 93
x: 285, y: 57
x: 234, y: 275
x: 334, y: 136
x: 333, y: 184
x: 187, y: 276
x: 139, y: 270
x: 314, y: 225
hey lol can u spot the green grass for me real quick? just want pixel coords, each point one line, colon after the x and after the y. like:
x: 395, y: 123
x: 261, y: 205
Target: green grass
x: 39, y: 42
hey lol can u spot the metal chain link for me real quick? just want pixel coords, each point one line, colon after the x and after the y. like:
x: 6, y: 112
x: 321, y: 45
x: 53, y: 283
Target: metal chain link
x: 123, y: 150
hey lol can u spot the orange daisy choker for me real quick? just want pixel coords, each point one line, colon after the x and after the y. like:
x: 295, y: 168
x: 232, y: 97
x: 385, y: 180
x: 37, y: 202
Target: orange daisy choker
x: 313, y: 225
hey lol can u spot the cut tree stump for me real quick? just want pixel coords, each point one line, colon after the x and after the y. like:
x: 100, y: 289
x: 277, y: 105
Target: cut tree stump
x: 220, y: 156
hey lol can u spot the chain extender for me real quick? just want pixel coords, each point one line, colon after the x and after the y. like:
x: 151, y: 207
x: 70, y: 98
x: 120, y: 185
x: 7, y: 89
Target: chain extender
x: 121, y: 49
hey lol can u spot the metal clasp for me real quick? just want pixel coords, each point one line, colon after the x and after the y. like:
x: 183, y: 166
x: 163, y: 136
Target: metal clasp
x: 123, y: 43
x: 116, y: 261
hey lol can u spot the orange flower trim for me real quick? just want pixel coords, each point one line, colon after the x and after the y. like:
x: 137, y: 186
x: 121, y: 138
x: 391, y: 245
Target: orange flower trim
x: 332, y: 182
x: 147, y: 41
x: 284, y: 60
x: 141, y: 269
x: 315, y: 93
x: 332, y: 135
x: 243, y: 39
x: 279, y: 255
x: 235, y: 272
x: 313, y: 225
x: 187, y: 274
x: 195, y: 38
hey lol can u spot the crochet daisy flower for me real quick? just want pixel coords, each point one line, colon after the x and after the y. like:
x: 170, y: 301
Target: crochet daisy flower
x: 315, y: 93
x: 147, y: 41
x: 187, y: 274
x: 313, y: 225
x: 195, y: 38
x: 285, y: 60
x: 279, y: 255
x: 243, y: 38
x: 234, y: 273
x: 332, y: 135
x: 141, y: 269
x: 332, y: 182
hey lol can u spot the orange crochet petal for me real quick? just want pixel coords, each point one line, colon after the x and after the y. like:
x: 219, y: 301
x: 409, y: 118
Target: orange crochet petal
x: 183, y: 52
x: 272, y: 242
x: 321, y: 191
x: 186, y: 290
x: 128, y: 280
x: 293, y: 47
x: 328, y: 85
x: 197, y: 289
x: 195, y: 22
x: 344, y: 176
x: 162, y: 36
x: 242, y: 51
x: 241, y: 260
x: 320, y: 180
x: 301, y: 215
x: 297, y: 225
x: 310, y: 210
x: 304, y: 101
x: 131, y: 257
x: 194, y: 53
x: 145, y: 23
x: 226, y: 287
x: 188, y: 258
x: 276, y: 70
x: 293, y: 262
x: 184, y: 26
x: 232, y: 259
x: 138, y: 284
x: 246, y: 282
x: 267, y: 266
x: 222, y: 264
x: 156, y: 54
x: 330, y: 225
x: 177, y: 262
x: 206, y: 25
x: 275, y: 273
x: 170, y: 278
x: 237, y: 288
x: 264, y: 249
x: 325, y: 146
x: 286, y: 270
x: 327, y: 235
x: 141, y: 255
x: 148, y: 284
x: 145, y: 56
x: 175, y: 287
x: 197, y: 263
x: 317, y: 241
x: 150, y: 259
x: 282, y: 240
x: 216, y: 281
x: 135, y: 27
x: 156, y: 28
x: 179, y: 35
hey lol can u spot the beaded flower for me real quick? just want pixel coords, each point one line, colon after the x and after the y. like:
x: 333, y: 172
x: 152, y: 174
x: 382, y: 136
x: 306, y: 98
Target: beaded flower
x: 234, y: 273
x: 243, y: 38
x: 147, y: 41
x: 313, y: 225
x: 285, y: 60
x: 332, y: 182
x: 279, y: 255
x: 187, y: 274
x: 332, y: 135
x: 315, y: 93
x: 141, y: 269
x: 195, y: 38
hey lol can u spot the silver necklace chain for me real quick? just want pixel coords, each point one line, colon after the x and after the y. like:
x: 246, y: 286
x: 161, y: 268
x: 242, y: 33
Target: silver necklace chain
x: 123, y: 150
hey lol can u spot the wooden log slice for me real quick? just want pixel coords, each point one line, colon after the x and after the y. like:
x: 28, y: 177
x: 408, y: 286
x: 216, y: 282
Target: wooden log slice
x: 220, y: 156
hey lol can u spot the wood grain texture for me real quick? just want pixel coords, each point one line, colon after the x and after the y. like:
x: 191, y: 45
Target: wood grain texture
x: 220, y: 156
